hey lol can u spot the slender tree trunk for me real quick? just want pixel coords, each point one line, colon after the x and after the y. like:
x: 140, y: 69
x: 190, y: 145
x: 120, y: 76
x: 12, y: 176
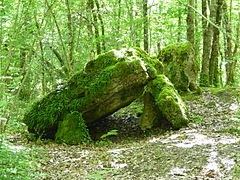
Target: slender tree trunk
x: 232, y: 65
x: 229, y: 54
x: 90, y: 32
x: 191, y: 23
x: 119, y: 16
x: 214, y: 69
x: 145, y: 26
x: 102, y: 25
x: 179, y: 22
x: 118, y: 28
x: 95, y: 25
x: 207, y: 39
x: 197, y: 34
x: 133, y: 26
x: 60, y: 57
x: 205, y: 61
x: 71, y: 37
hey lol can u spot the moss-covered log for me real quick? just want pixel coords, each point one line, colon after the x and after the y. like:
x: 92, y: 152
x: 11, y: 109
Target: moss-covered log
x: 180, y: 66
x: 109, y: 82
x: 163, y: 106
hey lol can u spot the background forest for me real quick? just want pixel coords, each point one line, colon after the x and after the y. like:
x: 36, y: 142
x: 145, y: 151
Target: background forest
x: 43, y: 43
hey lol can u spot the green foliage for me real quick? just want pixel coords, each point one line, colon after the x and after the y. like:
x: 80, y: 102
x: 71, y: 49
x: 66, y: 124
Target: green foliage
x: 103, y: 138
x: 159, y: 154
x: 217, y: 91
x: 110, y: 133
x: 94, y: 176
x: 197, y: 119
x: 17, y: 162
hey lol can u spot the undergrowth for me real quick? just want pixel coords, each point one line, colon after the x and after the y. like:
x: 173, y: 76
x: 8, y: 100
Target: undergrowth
x: 18, y: 162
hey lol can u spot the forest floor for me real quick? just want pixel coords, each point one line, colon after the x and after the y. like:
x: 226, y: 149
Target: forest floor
x: 209, y: 148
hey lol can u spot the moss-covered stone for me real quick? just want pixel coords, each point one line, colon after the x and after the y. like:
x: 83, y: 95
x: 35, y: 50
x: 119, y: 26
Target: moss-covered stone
x: 72, y: 130
x: 163, y: 105
x: 109, y: 82
x: 180, y: 66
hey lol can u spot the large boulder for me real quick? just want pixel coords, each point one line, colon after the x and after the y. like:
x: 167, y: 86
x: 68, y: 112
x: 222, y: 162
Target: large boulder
x: 180, y: 66
x: 163, y: 105
x: 109, y: 82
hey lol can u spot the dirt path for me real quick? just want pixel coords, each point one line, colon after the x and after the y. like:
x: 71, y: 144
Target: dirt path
x: 208, y: 149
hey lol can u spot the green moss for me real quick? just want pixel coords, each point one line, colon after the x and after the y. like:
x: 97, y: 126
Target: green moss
x: 150, y: 117
x: 179, y: 49
x: 72, y: 130
x: 222, y: 91
x: 168, y: 101
x: 83, y: 91
x: 189, y: 96
x: 154, y: 66
x: 197, y: 120
x: 102, y: 61
x: 43, y: 116
x: 180, y: 66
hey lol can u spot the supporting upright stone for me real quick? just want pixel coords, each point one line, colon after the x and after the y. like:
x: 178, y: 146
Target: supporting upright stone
x: 163, y: 106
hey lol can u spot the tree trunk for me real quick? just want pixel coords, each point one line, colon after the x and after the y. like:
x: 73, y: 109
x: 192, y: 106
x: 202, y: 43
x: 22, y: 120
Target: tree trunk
x: 214, y: 69
x: 90, y: 32
x: 70, y: 38
x: 145, y: 25
x: 95, y: 25
x: 229, y: 54
x: 207, y: 39
x: 191, y: 23
x: 179, y: 23
x: 102, y: 25
x: 197, y: 35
